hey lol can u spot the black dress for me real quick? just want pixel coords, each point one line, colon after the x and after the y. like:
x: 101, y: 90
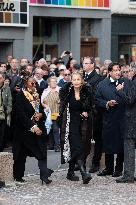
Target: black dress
x: 75, y: 137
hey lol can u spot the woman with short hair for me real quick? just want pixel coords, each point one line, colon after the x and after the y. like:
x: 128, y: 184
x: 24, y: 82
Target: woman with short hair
x: 30, y: 137
x: 50, y: 100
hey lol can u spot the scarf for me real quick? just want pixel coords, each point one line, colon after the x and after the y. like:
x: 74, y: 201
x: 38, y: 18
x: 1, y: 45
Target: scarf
x: 33, y: 98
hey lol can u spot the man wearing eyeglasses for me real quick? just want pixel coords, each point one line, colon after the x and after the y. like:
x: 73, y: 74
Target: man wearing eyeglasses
x: 92, y: 78
x: 66, y: 79
x: 125, y: 71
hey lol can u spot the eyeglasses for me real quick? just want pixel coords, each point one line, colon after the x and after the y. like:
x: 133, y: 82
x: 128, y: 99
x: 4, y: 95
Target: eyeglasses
x: 67, y: 74
x: 126, y: 71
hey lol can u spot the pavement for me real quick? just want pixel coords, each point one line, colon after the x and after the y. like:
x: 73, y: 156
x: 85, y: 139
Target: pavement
x: 100, y: 190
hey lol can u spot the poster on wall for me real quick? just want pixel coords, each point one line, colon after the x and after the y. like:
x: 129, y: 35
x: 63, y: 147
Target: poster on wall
x: 86, y: 4
x: 14, y: 13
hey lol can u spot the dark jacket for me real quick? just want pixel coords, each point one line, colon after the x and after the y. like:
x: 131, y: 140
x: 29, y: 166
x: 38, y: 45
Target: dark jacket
x: 113, y: 118
x: 61, y: 83
x: 85, y: 98
x: 130, y: 99
x: 93, y: 79
x: 36, y: 145
x: 40, y: 88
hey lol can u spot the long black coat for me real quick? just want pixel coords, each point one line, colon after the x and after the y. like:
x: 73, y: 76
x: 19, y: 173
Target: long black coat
x: 86, y: 102
x: 93, y: 79
x: 36, y: 145
x: 130, y: 100
x: 113, y: 118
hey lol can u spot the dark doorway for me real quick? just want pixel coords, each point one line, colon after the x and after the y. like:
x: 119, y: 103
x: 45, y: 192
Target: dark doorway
x: 89, y: 48
x: 6, y: 48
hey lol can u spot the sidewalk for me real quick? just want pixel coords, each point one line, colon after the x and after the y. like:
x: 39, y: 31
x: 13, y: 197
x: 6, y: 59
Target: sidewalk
x: 100, y: 191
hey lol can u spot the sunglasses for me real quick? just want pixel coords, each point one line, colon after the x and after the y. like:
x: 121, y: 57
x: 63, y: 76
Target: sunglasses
x: 33, y: 83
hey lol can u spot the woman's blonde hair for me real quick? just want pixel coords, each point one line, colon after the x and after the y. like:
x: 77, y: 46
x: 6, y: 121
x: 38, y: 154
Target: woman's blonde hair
x: 79, y: 74
x: 52, y: 77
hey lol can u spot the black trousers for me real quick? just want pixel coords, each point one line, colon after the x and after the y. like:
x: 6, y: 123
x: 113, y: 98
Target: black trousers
x: 97, y: 135
x: 2, y: 135
x: 109, y: 162
x: 129, y: 158
x: 97, y: 152
x: 19, y: 164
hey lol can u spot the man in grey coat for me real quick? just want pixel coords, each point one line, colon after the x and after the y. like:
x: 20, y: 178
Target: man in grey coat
x: 5, y: 109
x: 130, y: 132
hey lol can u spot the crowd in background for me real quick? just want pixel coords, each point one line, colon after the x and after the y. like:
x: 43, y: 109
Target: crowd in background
x: 50, y: 78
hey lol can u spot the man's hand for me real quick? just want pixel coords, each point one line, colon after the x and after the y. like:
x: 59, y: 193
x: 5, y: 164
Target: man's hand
x: 85, y: 114
x: 17, y: 89
x: 63, y: 54
x: 111, y: 103
x: 37, y: 131
x: 71, y: 55
x: 120, y: 87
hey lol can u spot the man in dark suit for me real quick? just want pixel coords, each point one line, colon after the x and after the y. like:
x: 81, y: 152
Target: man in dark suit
x: 113, y: 107
x: 92, y: 78
x: 66, y: 79
x: 130, y: 132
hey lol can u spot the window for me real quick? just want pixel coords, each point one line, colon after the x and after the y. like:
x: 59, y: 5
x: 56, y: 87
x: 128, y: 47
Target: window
x: 86, y: 27
x: 132, y: 1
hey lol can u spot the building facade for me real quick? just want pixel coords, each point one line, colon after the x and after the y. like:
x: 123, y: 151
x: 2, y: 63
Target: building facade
x: 45, y: 28
x: 123, y: 29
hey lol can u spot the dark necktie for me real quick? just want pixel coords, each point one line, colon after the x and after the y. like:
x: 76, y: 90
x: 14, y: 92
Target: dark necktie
x: 86, y: 77
x: 114, y: 83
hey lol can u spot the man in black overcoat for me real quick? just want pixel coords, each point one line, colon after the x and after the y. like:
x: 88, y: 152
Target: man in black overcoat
x: 113, y: 120
x: 130, y: 132
x: 92, y: 78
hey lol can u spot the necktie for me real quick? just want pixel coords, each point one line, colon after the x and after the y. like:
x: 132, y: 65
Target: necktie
x: 114, y: 83
x: 86, y: 77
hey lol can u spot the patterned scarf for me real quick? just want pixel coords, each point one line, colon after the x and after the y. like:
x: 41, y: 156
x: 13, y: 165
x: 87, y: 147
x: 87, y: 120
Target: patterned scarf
x: 33, y: 98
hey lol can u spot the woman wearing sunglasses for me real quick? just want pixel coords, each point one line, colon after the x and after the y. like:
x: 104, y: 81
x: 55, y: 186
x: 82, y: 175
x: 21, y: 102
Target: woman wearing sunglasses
x: 30, y: 136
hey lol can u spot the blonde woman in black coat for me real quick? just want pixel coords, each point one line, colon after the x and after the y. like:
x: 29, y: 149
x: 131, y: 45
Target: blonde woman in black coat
x: 75, y: 108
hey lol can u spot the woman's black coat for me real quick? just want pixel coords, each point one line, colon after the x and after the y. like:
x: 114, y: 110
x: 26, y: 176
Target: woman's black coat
x: 86, y: 102
x: 36, y: 145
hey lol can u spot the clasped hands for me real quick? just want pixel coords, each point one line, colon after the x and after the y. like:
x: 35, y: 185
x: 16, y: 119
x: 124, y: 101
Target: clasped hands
x: 36, y: 118
x: 37, y: 131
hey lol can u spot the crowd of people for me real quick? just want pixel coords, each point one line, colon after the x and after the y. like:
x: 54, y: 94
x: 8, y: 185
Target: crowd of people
x: 62, y: 106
